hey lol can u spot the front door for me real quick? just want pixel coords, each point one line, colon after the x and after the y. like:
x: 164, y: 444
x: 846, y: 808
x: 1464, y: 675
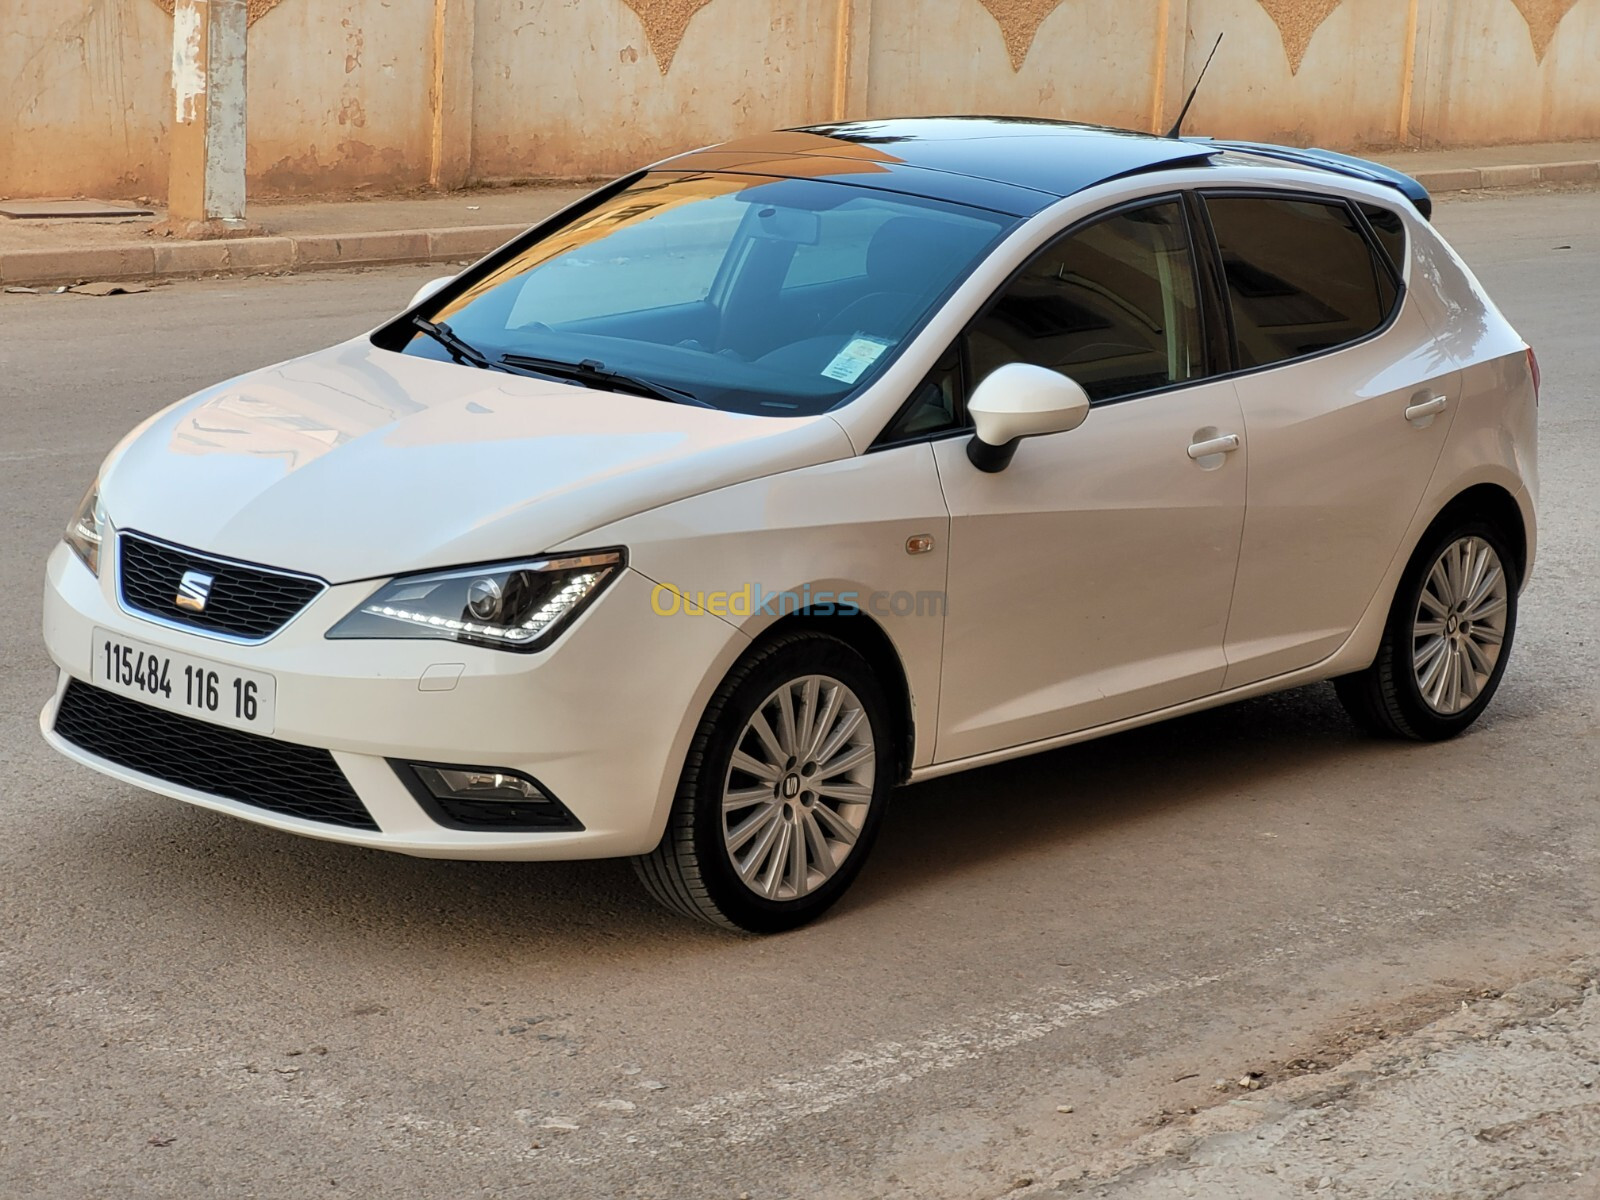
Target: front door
x: 1091, y: 580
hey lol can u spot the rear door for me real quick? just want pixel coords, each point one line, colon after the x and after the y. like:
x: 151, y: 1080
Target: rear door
x: 1347, y: 404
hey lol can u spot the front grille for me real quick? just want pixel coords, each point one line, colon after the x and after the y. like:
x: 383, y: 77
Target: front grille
x: 281, y: 777
x: 246, y: 602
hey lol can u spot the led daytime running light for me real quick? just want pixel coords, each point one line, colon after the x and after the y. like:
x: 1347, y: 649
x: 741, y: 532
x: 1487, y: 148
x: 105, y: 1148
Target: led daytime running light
x: 543, y: 617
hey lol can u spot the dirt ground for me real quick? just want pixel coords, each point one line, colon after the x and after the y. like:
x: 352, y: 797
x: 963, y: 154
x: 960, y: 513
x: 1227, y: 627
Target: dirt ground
x: 1498, y: 1099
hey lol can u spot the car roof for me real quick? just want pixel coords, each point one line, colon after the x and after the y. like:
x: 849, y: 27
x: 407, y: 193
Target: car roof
x: 1014, y: 165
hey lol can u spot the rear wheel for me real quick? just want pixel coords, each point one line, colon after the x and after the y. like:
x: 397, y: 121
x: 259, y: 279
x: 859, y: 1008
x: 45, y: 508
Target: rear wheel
x: 1447, y: 639
x: 782, y: 792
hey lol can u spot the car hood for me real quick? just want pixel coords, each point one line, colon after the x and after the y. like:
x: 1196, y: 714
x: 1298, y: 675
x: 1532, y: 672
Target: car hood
x: 356, y: 462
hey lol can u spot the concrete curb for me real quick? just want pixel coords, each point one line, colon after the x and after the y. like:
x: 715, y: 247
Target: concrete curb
x: 157, y: 259
x: 1471, y: 179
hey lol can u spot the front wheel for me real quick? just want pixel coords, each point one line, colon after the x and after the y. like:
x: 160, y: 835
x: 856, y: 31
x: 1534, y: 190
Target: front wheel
x: 782, y: 792
x: 1447, y: 639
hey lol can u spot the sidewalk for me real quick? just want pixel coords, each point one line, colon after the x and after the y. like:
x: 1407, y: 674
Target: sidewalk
x: 297, y: 236
x: 461, y: 226
x: 1498, y: 166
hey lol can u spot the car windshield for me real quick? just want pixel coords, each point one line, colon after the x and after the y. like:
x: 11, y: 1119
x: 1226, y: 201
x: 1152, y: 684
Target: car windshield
x: 752, y: 294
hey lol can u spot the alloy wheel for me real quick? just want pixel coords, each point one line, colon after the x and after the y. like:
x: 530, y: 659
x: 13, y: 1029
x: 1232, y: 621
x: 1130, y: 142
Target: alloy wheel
x: 1459, y: 626
x: 799, y: 788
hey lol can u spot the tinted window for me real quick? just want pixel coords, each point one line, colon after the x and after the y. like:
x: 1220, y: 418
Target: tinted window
x: 934, y: 406
x: 775, y: 296
x: 1301, y: 276
x: 1391, y: 232
x: 1112, y: 305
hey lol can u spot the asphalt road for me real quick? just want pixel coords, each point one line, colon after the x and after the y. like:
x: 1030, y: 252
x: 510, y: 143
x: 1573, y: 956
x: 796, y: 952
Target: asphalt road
x: 195, y: 1006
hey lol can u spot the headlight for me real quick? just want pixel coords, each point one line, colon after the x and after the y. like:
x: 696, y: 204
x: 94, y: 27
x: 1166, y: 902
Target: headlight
x: 510, y: 606
x: 88, y: 528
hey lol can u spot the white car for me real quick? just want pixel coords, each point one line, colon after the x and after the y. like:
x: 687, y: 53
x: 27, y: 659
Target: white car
x: 687, y: 525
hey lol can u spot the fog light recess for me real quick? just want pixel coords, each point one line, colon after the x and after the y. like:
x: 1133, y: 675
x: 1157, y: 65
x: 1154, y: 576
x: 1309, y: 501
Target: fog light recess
x: 485, y: 798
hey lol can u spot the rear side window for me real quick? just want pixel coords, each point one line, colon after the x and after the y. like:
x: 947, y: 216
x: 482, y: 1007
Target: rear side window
x: 1302, y: 277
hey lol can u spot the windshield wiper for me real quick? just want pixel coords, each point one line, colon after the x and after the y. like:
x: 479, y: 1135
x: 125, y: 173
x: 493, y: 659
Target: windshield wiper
x: 460, y: 349
x: 594, y: 372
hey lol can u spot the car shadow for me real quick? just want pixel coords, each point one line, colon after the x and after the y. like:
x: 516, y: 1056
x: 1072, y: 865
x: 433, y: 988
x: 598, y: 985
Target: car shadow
x: 1065, y: 795
x: 275, y: 885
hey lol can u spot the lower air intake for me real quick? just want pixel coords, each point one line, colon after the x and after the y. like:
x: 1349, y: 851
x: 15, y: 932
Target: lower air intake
x: 279, y: 777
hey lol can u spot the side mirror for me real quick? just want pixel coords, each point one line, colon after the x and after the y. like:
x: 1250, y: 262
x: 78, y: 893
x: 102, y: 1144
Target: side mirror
x: 429, y: 288
x: 1016, y: 401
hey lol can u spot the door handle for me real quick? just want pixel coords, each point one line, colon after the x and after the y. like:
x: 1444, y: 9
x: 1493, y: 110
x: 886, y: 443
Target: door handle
x: 1428, y: 408
x: 1226, y: 444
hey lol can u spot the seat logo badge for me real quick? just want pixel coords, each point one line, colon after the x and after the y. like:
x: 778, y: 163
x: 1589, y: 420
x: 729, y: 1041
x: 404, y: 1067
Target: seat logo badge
x: 194, y: 589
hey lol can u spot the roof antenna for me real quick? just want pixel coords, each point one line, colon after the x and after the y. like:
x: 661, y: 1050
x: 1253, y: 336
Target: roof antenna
x: 1177, y: 128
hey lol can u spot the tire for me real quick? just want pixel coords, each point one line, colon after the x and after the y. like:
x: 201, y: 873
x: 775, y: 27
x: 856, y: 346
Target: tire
x: 1407, y: 691
x: 696, y: 868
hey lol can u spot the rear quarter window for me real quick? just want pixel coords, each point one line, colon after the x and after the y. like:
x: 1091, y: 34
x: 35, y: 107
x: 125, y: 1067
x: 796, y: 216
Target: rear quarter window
x: 1391, y: 233
x: 1302, y: 277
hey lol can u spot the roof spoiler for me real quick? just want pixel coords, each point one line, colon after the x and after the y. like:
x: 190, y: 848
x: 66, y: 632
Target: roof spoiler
x: 1342, y: 164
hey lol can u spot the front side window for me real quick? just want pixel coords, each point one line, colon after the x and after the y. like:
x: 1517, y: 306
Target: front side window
x: 753, y: 294
x: 1112, y: 305
x: 1301, y: 276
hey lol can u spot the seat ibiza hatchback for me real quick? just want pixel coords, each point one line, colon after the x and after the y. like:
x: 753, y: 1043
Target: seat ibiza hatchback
x: 687, y: 525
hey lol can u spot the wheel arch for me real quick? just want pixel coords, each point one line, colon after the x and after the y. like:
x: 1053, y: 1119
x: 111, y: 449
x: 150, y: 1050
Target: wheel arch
x: 1493, y: 499
x: 869, y: 639
x: 1493, y: 503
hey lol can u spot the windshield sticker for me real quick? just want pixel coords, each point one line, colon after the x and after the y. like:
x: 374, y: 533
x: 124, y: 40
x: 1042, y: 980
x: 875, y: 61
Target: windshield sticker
x: 851, y: 363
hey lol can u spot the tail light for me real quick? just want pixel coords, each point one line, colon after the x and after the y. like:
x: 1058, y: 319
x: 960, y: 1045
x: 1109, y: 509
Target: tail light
x: 1533, y: 369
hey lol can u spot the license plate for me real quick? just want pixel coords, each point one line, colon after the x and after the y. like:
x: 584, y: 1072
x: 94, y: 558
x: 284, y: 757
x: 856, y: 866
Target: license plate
x: 182, y: 683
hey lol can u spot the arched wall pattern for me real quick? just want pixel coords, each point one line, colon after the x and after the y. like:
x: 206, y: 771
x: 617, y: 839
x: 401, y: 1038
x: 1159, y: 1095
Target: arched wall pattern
x: 666, y: 21
x: 1543, y: 16
x: 1297, y: 22
x: 397, y: 93
x: 257, y: 8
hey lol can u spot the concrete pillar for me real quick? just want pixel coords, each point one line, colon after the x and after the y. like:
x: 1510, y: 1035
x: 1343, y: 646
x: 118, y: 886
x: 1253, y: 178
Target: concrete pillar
x: 1169, y: 89
x: 208, y: 132
x: 450, y: 93
x: 1417, y: 106
x: 852, y: 58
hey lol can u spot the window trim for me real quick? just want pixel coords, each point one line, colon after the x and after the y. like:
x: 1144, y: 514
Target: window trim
x: 1221, y: 334
x: 1209, y: 364
x: 1374, y: 249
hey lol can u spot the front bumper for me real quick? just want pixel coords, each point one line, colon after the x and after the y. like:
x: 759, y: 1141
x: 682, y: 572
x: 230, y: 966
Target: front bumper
x: 601, y: 718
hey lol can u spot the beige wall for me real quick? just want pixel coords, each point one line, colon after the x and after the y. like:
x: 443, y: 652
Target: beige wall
x: 346, y: 92
x: 1467, y: 48
x: 1347, y: 83
x: 339, y: 93
x: 84, y: 100
x: 1089, y: 60
x: 578, y: 88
